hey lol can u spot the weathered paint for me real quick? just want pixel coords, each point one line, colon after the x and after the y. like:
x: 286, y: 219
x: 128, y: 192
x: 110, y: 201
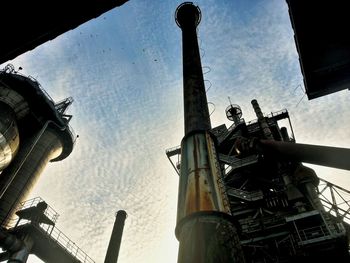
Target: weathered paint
x: 196, y: 112
x: 199, y: 188
x: 217, y: 175
x: 202, y: 217
x: 209, y: 238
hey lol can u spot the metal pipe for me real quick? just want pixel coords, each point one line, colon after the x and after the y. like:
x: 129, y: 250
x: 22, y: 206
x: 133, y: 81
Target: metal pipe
x: 196, y: 109
x: 18, y: 179
x: 7, y: 184
x: 262, y: 120
x: 17, y: 250
x: 315, y: 154
x: 204, y: 227
x: 116, y: 237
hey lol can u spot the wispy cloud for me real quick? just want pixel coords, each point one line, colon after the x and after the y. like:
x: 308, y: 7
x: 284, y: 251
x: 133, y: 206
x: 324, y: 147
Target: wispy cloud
x: 124, y: 72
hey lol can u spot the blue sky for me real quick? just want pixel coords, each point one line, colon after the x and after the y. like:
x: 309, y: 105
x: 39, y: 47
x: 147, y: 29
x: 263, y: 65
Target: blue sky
x: 124, y: 71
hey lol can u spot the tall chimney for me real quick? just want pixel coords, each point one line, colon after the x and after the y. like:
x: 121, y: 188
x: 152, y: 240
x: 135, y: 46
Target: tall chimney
x: 205, y: 228
x: 116, y: 237
x: 196, y: 109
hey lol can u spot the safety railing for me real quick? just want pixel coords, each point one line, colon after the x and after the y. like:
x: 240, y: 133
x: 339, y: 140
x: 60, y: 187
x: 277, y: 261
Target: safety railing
x: 311, y: 233
x: 51, y: 230
x: 58, y: 236
x: 335, y: 199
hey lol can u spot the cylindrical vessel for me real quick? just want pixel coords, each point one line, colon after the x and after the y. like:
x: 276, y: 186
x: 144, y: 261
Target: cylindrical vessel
x: 9, y: 137
x: 28, y: 113
x: 200, y: 188
x: 27, y: 169
x: 307, y: 181
x: 196, y: 109
x: 116, y: 237
x: 204, y: 226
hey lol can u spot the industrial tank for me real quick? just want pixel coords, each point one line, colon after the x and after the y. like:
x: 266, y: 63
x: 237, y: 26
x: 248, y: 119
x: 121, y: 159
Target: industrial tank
x: 33, y: 131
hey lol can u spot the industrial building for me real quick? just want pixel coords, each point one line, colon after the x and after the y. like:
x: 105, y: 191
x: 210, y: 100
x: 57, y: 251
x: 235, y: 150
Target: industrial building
x: 244, y: 193
x: 34, y: 130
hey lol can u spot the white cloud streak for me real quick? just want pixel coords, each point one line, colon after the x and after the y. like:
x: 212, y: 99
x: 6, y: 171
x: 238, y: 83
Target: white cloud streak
x: 124, y: 72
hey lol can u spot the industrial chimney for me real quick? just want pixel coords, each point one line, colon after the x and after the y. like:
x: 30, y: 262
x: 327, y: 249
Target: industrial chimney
x: 203, y: 214
x: 116, y: 238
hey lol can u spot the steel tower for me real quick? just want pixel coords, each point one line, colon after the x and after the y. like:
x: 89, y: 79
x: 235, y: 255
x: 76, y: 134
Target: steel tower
x: 33, y: 131
x: 203, y: 214
x: 244, y: 193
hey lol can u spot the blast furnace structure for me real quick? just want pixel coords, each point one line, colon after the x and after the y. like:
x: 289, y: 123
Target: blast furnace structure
x: 244, y: 192
x: 34, y: 130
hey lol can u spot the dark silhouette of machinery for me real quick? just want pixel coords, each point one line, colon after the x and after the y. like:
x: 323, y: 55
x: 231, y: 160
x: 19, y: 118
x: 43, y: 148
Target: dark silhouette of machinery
x: 33, y: 131
x: 116, y: 237
x: 33, y: 128
x: 35, y: 232
x: 244, y: 192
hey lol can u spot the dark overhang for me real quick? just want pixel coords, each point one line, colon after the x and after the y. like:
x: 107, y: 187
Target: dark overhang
x: 321, y: 31
x: 30, y: 23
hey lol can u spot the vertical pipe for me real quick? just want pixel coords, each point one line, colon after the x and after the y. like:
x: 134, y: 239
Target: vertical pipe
x: 196, y: 109
x: 26, y: 170
x: 116, y: 237
x: 204, y: 227
x: 285, y: 135
x: 262, y: 121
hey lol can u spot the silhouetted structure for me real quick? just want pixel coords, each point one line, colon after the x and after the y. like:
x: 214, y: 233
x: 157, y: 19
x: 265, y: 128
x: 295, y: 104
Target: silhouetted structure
x: 35, y: 232
x: 33, y: 131
x: 323, y: 44
x: 203, y: 212
x: 116, y: 238
x: 29, y: 24
x: 244, y: 195
x: 41, y: 132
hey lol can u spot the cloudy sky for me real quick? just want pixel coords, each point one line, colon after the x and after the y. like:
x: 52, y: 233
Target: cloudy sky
x: 124, y: 72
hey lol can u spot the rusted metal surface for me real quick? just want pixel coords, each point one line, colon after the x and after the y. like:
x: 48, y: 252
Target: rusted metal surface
x: 195, y: 100
x: 217, y: 174
x: 203, y: 219
x: 199, y: 188
x: 210, y: 238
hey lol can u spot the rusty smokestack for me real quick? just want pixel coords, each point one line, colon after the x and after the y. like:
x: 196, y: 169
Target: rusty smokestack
x: 116, y: 237
x: 196, y: 109
x: 205, y: 228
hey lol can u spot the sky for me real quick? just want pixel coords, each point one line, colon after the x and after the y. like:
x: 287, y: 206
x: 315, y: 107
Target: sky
x: 124, y: 72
